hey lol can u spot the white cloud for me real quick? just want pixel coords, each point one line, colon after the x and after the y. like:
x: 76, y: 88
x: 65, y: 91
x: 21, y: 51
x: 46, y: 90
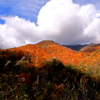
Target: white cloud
x: 66, y: 22
x: 60, y: 20
x: 16, y: 31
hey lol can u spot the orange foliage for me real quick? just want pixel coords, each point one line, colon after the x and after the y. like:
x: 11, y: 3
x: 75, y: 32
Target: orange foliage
x: 43, y: 51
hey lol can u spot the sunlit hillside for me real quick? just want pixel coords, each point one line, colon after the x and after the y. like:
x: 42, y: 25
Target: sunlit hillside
x: 49, y: 71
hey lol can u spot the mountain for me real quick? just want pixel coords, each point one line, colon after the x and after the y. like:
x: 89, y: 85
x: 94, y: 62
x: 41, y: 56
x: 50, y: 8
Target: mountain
x: 84, y: 48
x: 91, y: 47
x: 75, y: 47
x: 46, y: 50
x: 49, y: 71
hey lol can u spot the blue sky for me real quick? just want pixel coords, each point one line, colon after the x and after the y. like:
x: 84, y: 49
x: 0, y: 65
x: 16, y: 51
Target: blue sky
x: 29, y: 9
x: 64, y: 21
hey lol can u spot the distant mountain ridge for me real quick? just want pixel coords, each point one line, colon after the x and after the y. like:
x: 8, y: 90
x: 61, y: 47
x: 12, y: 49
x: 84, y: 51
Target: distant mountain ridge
x: 75, y: 47
x: 84, y: 48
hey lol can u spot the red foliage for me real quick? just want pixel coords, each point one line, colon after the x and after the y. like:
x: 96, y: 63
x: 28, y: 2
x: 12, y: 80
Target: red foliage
x: 24, y: 78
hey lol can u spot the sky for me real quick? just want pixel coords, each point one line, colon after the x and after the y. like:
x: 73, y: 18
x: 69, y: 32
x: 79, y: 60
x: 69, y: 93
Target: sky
x: 67, y: 22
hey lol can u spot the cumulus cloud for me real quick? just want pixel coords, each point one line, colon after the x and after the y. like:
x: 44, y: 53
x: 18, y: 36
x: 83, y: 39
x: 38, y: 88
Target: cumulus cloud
x: 59, y: 20
x: 17, y: 31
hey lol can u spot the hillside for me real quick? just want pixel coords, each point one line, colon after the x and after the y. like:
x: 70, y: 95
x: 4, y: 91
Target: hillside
x: 91, y: 47
x: 49, y: 71
x: 84, y: 48
x: 47, y: 50
x: 76, y: 47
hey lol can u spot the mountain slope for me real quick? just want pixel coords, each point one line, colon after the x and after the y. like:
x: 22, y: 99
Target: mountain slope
x: 46, y: 50
x: 90, y: 48
x: 84, y: 48
x: 75, y: 47
x: 49, y: 71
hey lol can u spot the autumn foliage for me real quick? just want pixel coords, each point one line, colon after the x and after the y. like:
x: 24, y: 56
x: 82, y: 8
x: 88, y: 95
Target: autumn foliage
x: 49, y: 71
